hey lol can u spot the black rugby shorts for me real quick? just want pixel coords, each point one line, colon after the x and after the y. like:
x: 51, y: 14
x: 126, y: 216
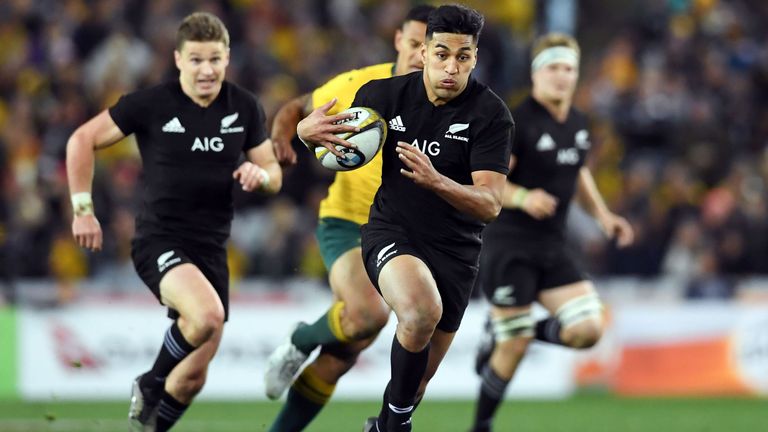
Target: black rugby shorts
x: 154, y: 257
x: 455, y: 278
x: 514, y: 276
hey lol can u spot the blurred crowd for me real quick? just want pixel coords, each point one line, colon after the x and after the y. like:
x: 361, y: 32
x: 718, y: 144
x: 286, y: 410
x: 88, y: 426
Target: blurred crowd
x: 677, y: 90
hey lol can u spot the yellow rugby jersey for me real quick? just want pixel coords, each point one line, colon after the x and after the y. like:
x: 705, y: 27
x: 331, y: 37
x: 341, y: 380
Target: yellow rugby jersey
x: 351, y: 193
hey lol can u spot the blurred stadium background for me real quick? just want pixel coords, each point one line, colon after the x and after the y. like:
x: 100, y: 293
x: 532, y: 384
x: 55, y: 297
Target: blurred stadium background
x: 677, y: 90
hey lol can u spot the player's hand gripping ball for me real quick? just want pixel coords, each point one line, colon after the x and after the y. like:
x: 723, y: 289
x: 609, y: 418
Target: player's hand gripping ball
x: 370, y: 138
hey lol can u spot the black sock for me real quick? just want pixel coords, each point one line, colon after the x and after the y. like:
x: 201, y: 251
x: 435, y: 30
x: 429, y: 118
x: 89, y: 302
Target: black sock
x: 407, y: 371
x: 492, y: 389
x: 175, y: 348
x: 169, y: 412
x: 548, y: 330
x: 384, y: 412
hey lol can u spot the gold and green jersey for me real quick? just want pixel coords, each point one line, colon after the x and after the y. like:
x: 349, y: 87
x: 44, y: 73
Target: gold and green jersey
x: 351, y: 193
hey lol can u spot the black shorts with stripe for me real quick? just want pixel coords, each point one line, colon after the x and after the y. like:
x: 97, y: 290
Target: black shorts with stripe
x: 455, y: 277
x: 153, y: 257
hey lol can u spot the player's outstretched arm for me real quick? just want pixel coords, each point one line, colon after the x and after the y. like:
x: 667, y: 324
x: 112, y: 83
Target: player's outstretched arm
x: 482, y: 199
x: 98, y: 132
x: 613, y: 225
x: 319, y: 129
x: 284, y: 128
x: 261, y: 171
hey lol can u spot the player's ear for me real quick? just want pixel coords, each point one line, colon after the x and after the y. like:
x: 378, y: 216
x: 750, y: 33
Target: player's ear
x: 398, y: 39
x: 226, y: 57
x: 474, y: 62
x: 177, y: 59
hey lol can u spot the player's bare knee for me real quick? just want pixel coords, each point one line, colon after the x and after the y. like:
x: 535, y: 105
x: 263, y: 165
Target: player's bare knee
x: 585, y: 334
x: 414, y: 330
x: 582, y: 321
x: 420, y: 319
x: 203, y: 326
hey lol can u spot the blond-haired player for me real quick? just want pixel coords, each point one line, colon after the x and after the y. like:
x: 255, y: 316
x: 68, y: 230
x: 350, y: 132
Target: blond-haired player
x: 524, y: 257
x: 192, y: 133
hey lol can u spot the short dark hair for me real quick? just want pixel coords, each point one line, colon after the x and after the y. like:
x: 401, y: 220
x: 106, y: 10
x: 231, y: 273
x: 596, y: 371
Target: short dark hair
x: 201, y: 27
x: 419, y: 13
x: 456, y: 19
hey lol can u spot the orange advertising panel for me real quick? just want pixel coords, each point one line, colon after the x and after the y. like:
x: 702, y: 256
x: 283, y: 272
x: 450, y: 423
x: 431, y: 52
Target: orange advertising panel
x: 682, y: 368
x: 690, y: 349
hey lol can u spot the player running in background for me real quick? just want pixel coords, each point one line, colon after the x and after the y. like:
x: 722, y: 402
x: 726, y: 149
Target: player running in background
x: 358, y: 312
x: 443, y: 173
x: 192, y: 134
x: 524, y: 255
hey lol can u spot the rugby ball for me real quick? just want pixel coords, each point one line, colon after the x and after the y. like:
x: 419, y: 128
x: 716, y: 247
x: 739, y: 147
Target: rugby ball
x: 370, y: 138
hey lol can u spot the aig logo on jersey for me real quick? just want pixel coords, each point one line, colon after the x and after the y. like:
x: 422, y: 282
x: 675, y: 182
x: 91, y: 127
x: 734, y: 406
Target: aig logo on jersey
x: 431, y: 148
x: 208, y: 144
x: 568, y: 156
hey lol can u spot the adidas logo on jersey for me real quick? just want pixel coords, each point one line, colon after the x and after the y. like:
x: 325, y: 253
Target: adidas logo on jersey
x: 174, y: 126
x: 545, y: 143
x: 397, y: 124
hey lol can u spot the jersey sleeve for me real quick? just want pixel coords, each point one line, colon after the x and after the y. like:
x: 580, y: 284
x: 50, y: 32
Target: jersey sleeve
x: 362, y: 97
x: 257, y: 126
x: 494, y: 144
x: 132, y: 112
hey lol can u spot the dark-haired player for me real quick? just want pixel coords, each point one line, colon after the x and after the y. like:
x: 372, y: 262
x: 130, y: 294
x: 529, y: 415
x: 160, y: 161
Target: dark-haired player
x: 524, y: 256
x: 192, y: 134
x: 442, y: 178
x: 358, y: 311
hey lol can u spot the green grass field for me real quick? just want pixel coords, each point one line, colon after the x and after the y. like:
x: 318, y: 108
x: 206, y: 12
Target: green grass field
x: 590, y: 413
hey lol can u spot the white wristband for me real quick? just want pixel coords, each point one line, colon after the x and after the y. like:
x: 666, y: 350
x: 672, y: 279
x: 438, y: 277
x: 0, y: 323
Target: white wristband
x: 82, y: 203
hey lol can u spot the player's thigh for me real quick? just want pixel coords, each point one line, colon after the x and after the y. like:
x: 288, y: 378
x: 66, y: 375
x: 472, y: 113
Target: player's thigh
x: 562, y: 280
x: 350, y: 283
x: 186, y: 289
x: 407, y: 285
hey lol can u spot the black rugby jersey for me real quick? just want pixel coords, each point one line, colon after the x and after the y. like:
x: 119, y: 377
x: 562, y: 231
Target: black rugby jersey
x: 549, y: 156
x: 472, y: 132
x: 189, y: 153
